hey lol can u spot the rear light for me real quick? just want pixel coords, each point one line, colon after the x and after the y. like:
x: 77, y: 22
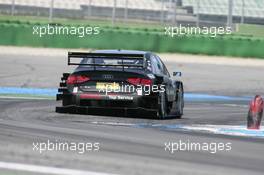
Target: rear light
x: 146, y: 81
x: 76, y: 79
x: 139, y: 81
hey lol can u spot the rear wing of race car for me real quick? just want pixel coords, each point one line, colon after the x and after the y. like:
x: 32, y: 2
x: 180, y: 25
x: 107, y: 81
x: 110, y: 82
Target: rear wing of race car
x: 114, y: 56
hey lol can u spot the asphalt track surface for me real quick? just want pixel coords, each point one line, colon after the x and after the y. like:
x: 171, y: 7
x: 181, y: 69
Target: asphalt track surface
x: 128, y: 145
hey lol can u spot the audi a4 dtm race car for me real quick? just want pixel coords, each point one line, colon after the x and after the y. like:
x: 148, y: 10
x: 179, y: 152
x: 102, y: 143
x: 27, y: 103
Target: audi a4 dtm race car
x: 131, y: 82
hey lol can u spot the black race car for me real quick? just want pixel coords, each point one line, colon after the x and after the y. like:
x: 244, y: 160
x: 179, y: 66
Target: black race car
x: 131, y: 82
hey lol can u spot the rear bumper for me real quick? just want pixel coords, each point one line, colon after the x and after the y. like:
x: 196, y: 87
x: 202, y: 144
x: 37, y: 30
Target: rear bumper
x: 112, y: 104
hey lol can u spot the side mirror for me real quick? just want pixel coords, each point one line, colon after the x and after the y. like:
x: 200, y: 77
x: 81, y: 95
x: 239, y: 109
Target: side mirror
x: 175, y: 74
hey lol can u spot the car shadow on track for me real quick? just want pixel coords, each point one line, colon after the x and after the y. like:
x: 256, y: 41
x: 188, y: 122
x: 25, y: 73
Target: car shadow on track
x: 123, y: 114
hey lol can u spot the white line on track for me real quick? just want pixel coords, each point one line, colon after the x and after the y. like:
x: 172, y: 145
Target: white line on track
x: 45, y: 169
x: 25, y: 97
x: 236, y: 105
x: 226, y: 130
x: 214, y: 129
x: 113, y: 123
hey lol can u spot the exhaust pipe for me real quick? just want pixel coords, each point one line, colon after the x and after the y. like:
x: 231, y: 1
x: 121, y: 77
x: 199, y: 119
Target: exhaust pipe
x: 255, y: 113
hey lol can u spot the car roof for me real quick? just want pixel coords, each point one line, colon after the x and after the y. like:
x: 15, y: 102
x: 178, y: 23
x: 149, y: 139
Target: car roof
x: 121, y: 51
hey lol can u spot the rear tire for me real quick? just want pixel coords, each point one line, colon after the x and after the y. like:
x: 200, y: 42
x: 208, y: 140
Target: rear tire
x: 66, y: 101
x: 67, y: 98
x: 179, y: 101
x: 162, y: 106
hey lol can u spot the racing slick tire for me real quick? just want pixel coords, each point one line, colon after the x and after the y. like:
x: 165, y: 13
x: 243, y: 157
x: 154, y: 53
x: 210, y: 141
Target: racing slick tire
x: 179, y: 100
x: 64, y: 95
x: 162, y: 112
x: 67, y: 100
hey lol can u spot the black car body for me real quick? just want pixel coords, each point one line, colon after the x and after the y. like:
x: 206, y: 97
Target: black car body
x: 120, y: 80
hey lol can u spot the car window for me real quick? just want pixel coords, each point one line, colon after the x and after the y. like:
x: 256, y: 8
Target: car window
x: 166, y: 72
x: 164, y: 69
x: 157, y: 65
x: 160, y: 66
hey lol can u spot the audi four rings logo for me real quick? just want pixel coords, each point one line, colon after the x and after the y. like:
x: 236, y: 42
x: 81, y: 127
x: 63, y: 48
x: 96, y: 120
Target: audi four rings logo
x: 108, y: 76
